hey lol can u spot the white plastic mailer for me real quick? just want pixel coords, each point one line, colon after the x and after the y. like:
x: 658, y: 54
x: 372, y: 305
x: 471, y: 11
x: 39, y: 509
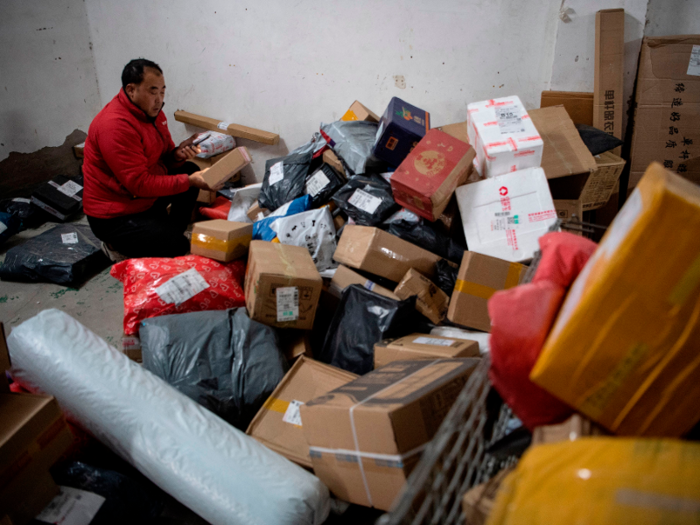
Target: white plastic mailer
x: 217, y: 471
x: 313, y: 230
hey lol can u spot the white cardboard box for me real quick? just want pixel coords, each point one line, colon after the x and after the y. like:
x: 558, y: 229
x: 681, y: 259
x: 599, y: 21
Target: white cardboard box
x: 505, y: 216
x: 504, y: 136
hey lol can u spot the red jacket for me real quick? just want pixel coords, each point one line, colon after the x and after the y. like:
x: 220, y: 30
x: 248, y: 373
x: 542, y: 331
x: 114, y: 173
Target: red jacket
x: 127, y: 159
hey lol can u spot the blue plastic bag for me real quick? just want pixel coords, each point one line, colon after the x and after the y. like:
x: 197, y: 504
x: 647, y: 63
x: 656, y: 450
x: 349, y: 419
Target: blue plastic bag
x: 262, y: 230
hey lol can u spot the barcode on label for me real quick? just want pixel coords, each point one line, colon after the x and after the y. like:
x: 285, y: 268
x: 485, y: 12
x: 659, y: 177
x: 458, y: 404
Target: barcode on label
x: 287, y: 304
x: 434, y: 341
x: 364, y: 201
x: 182, y: 287
x: 509, y: 120
x: 315, y: 184
x: 292, y: 414
x: 276, y: 173
x: 694, y: 64
x: 69, y: 238
x: 223, y: 125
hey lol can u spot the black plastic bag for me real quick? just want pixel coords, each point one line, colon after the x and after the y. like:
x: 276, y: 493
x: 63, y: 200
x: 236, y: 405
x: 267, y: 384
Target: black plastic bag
x: 352, y: 141
x: 367, y: 199
x: 428, y: 237
x: 284, y: 179
x: 9, y: 225
x: 29, y: 215
x: 596, y: 140
x: 362, y: 319
x: 221, y: 359
x: 322, y: 184
x: 445, y: 276
x: 63, y: 255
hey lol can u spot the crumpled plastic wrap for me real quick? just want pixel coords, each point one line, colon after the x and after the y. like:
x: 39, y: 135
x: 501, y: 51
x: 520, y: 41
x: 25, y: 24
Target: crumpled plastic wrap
x: 217, y: 471
x: 313, y: 230
x: 220, y: 359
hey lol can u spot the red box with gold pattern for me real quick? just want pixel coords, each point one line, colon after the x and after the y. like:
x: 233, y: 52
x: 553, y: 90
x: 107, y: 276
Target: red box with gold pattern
x: 427, y: 178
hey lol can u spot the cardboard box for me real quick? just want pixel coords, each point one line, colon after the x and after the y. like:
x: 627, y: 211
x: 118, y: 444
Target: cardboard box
x: 479, y: 501
x: 430, y: 300
x: 503, y: 135
x: 282, y: 285
x: 640, y: 374
x: 667, y: 114
x: 608, y: 76
x: 366, y: 436
x: 479, y: 277
x: 458, y: 131
x: 131, y: 347
x: 358, y: 111
x: 344, y: 277
x: 568, y: 210
x: 79, y: 150
x: 400, y: 129
x: 422, y: 346
x: 233, y: 162
x: 572, y: 429
x: 330, y: 158
x: 206, y: 197
x: 295, y: 343
x: 375, y: 251
x: 221, y: 240
x: 426, y: 180
x: 578, y: 105
x: 32, y: 494
x: 505, y: 216
x: 62, y: 196
x: 235, y: 130
x: 278, y: 425
x: 256, y: 213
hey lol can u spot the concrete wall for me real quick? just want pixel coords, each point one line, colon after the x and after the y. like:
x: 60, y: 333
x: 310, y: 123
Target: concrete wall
x: 673, y: 17
x: 49, y: 86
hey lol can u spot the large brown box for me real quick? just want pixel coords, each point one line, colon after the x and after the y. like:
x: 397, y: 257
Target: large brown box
x: 608, y: 76
x: 422, y: 346
x: 380, y: 253
x: 366, y: 436
x: 431, y: 301
x: 221, y: 240
x: 578, y: 105
x: 479, y: 277
x: 226, y: 168
x: 277, y: 425
x: 282, y: 285
x: 344, y: 277
x: 229, y: 128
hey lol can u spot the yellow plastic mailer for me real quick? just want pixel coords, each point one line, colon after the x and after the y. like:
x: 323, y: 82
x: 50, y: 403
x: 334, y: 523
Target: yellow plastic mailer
x: 594, y: 481
x: 625, y: 348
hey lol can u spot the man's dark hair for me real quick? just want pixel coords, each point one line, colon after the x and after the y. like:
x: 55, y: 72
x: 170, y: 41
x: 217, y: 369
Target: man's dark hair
x: 133, y: 71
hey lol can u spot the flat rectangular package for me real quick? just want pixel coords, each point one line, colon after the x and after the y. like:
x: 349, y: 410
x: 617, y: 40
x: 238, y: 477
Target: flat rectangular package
x: 344, y: 277
x: 221, y: 240
x: 226, y: 168
x: 637, y: 373
x: 375, y: 251
x: 278, y: 425
x: 427, y: 178
x: 229, y: 128
x: 400, y: 128
x: 366, y: 436
x: 62, y: 196
x: 479, y: 277
x: 503, y: 135
x: 505, y: 216
x: 422, y: 346
x: 431, y: 301
x: 358, y: 111
x: 282, y: 285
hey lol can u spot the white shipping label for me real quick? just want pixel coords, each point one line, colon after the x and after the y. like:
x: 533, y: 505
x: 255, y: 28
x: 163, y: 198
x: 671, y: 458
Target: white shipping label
x: 509, y: 120
x: 20, y: 199
x: 223, y: 125
x: 72, y: 507
x: 70, y: 188
x: 3, y: 227
x: 364, y: 201
x: 182, y: 287
x: 694, y: 64
x: 287, y: 304
x: 434, y: 341
x: 292, y: 415
x: 315, y: 184
x: 276, y: 173
x: 69, y: 238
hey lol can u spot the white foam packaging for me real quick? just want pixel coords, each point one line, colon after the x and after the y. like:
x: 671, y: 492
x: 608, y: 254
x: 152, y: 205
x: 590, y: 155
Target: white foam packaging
x: 211, y: 467
x: 503, y: 135
x: 505, y: 216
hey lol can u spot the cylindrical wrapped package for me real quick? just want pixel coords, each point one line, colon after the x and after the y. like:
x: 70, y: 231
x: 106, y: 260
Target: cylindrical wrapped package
x: 217, y: 471
x: 215, y: 144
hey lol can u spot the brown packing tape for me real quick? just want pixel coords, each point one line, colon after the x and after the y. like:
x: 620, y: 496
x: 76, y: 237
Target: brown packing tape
x: 276, y: 405
x: 485, y: 292
x: 212, y: 243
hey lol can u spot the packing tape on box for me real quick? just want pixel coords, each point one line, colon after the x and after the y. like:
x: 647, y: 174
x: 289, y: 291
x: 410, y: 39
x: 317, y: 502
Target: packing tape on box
x: 383, y: 460
x: 212, y: 243
x: 276, y: 405
x: 485, y: 292
x: 357, y: 452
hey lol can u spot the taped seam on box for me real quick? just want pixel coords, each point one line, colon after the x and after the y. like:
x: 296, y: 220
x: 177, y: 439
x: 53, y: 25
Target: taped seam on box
x: 513, y: 277
x: 390, y: 460
x: 686, y: 284
x: 276, y: 405
x: 212, y: 243
x: 477, y: 290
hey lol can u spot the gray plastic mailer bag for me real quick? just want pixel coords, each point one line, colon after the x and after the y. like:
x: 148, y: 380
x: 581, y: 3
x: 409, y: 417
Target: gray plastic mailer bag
x: 220, y: 359
x: 352, y: 141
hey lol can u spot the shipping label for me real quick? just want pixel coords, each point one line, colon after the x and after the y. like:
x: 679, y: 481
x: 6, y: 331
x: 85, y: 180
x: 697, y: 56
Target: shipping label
x: 509, y: 120
x: 72, y: 507
x: 69, y: 238
x: 292, y: 414
x: 694, y: 64
x: 434, y: 341
x: 287, y: 304
x: 182, y: 287
x: 317, y: 183
x: 223, y: 125
x: 276, y: 173
x: 70, y: 189
x: 364, y: 201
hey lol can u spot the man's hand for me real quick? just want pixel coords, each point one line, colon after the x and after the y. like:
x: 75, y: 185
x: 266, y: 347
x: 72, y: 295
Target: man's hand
x: 197, y: 181
x: 186, y: 151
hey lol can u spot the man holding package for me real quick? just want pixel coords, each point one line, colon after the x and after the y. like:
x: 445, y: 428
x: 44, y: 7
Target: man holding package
x: 133, y: 172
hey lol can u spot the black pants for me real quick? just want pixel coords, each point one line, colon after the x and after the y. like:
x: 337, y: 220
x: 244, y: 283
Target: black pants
x: 152, y: 233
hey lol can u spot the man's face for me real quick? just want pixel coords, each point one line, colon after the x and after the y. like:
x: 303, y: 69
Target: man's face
x: 149, y: 94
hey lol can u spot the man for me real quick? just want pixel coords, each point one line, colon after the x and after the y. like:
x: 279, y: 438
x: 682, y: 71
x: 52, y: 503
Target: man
x: 133, y: 171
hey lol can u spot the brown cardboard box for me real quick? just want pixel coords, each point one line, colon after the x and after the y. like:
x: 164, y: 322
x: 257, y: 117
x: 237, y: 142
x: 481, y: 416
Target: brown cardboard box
x: 479, y: 277
x: 569, y: 209
x: 430, y: 300
x: 229, y: 165
x: 358, y: 111
x: 330, y: 158
x: 564, y: 152
x: 667, y: 114
x: 577, y: 426
x: 578, y: 105
x: 256, y: 213
x: 282, y: 285
x: 458, y: 131
x: 277, y: 425
x: 344, y: 277
x: 422, y: 346
x: 131, y: 347
x: 366, y: 436
x: 79, y: 150
x: 33, y: 493
x: 608, y: 78
x: 221, y: 240
x: 235, y: 130
x: 478, y: 502
x: 375, y: 251
x: 295, y: 343
x: 206, y: 197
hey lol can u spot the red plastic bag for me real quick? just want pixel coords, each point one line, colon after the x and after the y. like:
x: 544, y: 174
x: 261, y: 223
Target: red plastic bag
x: 521, y: 319
x: 156, y: 286
x: 218, y: 210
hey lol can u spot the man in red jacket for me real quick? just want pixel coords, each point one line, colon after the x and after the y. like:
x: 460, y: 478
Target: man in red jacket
x: 133, y: 171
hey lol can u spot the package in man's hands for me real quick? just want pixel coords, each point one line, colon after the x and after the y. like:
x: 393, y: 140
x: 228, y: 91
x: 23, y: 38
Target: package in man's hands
x: 214, y: 144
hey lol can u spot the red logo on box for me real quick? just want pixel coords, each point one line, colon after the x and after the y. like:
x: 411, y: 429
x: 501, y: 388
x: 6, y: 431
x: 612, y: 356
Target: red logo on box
x: 503, y: 191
